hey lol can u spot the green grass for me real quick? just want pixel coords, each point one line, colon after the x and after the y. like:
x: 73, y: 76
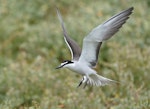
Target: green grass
x: 30, y: 28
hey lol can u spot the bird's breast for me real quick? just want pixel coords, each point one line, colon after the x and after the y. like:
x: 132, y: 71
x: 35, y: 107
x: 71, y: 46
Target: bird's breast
x: 80, y: 68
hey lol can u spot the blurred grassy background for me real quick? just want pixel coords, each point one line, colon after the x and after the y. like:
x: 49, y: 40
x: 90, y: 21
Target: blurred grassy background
x: 29, y: 29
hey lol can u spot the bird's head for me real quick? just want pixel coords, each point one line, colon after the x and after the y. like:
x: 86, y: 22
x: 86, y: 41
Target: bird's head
x: 64, y: 64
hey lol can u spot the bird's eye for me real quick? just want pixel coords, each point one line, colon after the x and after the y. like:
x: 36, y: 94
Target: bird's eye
x: 67, y: 61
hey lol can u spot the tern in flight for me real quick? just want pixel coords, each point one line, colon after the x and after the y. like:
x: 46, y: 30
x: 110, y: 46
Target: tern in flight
x: 83, y: 61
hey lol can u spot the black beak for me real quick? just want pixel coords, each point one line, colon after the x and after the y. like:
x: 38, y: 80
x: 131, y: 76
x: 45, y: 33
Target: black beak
x: 59, y: 67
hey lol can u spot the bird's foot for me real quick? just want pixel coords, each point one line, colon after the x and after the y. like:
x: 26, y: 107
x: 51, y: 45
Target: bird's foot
x: 84, y: 80
x: 80, y: 83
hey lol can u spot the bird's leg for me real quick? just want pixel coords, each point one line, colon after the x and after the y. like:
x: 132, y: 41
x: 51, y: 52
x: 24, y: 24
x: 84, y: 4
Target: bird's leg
x: 80, y: 82
x: 86, y: 82
x: 85, y: 85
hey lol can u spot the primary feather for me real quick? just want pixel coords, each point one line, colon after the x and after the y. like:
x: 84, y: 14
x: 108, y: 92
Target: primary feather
x: 73, y: 46
x: 92, y: 42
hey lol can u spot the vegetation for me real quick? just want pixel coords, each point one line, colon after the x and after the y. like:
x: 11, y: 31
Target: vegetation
x: 32, y: 45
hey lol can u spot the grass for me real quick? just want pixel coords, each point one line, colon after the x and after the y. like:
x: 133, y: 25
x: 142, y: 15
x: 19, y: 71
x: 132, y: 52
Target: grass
x: 28, y: 57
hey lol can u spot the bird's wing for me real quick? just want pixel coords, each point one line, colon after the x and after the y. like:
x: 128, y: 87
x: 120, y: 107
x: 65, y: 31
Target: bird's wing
x: 73, y: 46
x: 92, y: 42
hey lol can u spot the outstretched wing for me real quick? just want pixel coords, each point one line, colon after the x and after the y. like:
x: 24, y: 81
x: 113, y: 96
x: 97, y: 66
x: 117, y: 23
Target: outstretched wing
x: 93, y: 41
x: 73, y: 46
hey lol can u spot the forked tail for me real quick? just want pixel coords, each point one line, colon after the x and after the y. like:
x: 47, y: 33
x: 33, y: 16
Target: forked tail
x: 97, y: 80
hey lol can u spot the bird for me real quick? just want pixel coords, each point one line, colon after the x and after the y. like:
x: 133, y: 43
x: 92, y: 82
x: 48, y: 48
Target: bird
x: 85, y: 60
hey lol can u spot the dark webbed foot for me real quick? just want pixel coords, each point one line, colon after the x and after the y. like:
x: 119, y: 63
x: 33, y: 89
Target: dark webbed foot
x: 80, y: 83
x: 85, y: 85
x: 84, y: 80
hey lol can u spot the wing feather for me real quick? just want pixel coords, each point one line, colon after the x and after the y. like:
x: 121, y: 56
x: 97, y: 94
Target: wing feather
x: 93, y: 41
x: 73, y: 46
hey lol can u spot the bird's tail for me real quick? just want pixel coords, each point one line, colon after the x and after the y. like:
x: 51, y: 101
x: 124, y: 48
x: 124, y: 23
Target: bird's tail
x: 97, y: 80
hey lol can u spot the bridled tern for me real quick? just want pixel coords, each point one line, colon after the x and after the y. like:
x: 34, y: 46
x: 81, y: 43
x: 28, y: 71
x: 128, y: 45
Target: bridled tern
x: 83, y: 61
